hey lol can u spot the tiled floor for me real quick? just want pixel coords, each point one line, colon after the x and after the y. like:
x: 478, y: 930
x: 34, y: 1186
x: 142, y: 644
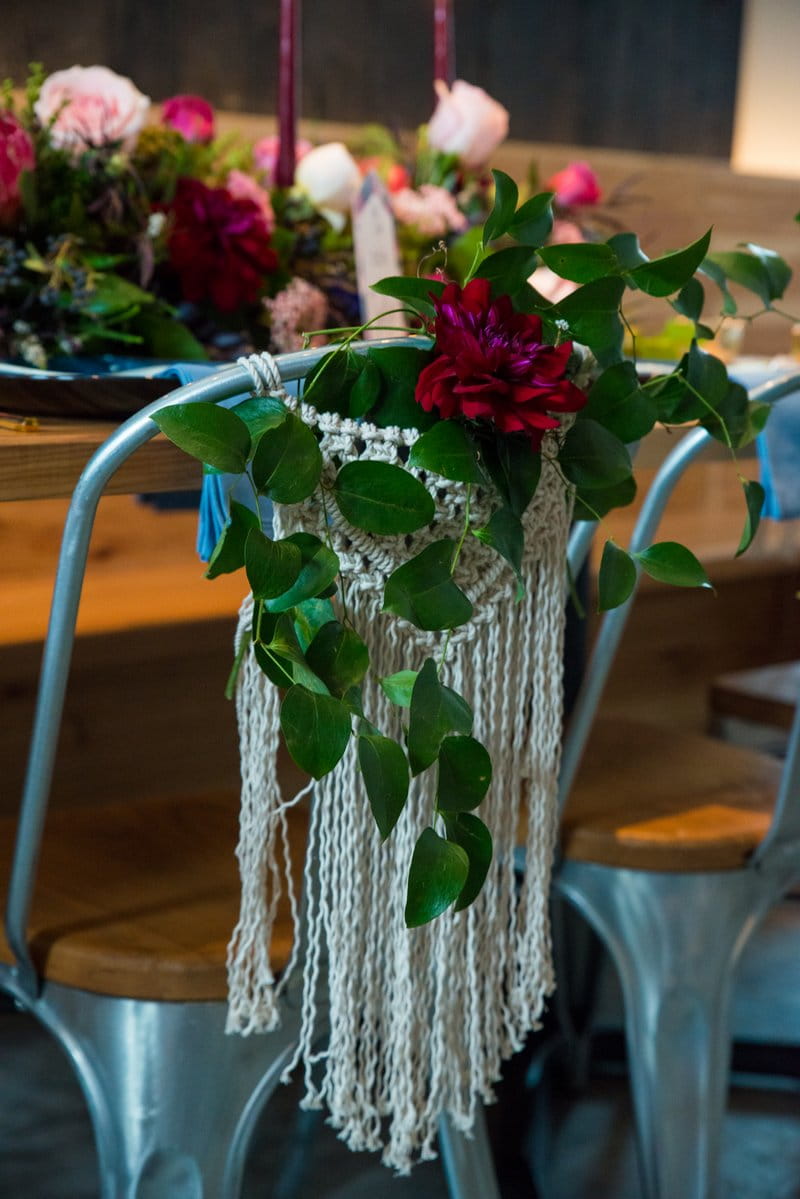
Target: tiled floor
x: 580, y: 1148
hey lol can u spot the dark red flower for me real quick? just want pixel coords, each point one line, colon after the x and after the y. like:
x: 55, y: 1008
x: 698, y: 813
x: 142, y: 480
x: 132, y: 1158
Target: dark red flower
x: 218, y: 245
x: 491, y: 365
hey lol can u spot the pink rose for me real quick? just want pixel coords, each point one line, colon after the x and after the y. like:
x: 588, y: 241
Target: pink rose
x: 467, y: 122
x: 244, y: 187
x: 432, y: 210
x: 265, y: 155
x: 92, y: 107
x: 16, y: 156
x: 192, y: 116
x: 576, y: 184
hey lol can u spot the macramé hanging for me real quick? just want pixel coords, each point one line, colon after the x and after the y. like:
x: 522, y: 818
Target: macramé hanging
x: 420, y: 1019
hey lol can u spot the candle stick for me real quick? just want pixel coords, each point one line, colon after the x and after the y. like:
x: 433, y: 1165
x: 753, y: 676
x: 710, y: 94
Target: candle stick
x: 443, y: 67
x: 287, y: 91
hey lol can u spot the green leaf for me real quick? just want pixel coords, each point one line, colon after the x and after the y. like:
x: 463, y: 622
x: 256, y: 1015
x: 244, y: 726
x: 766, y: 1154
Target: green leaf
x: 505, y: 203
x: 385, y: 772
x: 278, y: 670
x: 260, y: 413
x: 514, y: 468
x: 400, y: 368
x: 617, y: 402
x: 435, y: 711
x: 285, y: 644
x: 319, y: 566
x: 465, y: 772
x: 581, y: 261
x: 668, y: 274
x: 597, y: 501
x: 447, y: 450
x: 533, y: 220
x: 671, y: 562
x: 438, y: 872
x: 592, y: 313
x: 468, y: 830
x: 272, y: 566
x: 381, y: 498
x: 287, y: 463
x: 628, y: 252
x: 616, y: 578
x: 328, y: 384
x: 754, y: 496
x: 216, y: 436
x: 228, y: 553
x: 779, y: 272
x: 690, y: 300
x: 339, y: 657
x: 732, y: 417
x: 414, y: 292
x: 398, y: 687
x: 316, y: 729
x: 752, y: 272
x: 309, y: 617
x: 504, y: 534
x: 592, y: 457
x: 166, y: 338
x: 366, y: 390
x: 508, y: 269
x: 711, y: 270
x: 422, y: 590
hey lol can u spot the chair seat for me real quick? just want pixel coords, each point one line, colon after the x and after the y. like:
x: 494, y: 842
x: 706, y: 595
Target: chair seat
x: 139, y: 900
x: 766, y: 695
x: 651, y: 798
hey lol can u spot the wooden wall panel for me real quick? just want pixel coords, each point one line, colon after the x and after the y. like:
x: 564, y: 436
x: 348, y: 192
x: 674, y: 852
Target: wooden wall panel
x: 592, y: 72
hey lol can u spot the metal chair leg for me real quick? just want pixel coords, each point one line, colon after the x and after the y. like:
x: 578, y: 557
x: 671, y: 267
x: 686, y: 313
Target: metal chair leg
x: 173, y: 1101
x: 468, y: 1163
x: 676, y: 982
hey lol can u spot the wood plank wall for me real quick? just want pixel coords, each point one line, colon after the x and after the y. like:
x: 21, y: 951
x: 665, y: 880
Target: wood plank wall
x: 624, y: 73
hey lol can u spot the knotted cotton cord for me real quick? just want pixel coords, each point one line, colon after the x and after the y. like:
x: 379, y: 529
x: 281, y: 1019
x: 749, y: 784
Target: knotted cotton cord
x: 420, y: 1020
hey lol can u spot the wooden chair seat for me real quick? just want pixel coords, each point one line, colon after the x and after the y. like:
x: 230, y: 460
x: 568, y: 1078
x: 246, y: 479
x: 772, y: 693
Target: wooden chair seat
x: 139, y: 900
x: 650, y: 798
x: 766, y: 695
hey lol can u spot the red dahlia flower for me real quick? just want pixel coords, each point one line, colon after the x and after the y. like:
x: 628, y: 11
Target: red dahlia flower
x: 219, y: 246
x: 491, y: 365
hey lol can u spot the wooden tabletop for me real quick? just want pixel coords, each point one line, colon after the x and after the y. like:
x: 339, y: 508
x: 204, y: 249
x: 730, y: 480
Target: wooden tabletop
x: 45, y: 461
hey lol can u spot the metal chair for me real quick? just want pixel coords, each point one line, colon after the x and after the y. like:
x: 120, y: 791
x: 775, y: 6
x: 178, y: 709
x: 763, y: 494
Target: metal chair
x: 117, y: 919
x: 674, y: 846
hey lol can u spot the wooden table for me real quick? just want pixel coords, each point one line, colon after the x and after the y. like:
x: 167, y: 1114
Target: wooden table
x: 45, y: 462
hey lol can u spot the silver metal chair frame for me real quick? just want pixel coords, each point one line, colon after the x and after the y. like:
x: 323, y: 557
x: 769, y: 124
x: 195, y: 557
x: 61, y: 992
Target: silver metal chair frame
x: 173, y: 1101
x: 675, y: 938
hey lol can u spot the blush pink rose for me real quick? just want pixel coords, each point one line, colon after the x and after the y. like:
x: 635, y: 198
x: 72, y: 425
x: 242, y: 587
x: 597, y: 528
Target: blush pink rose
x: 16, y: 156
x: 265, y: 155
x: 467, y: 122
x: 244, y: 187
x: 576, y: 184
x: 432, y: 210
x: 92, y: 107
x: 191, y: 116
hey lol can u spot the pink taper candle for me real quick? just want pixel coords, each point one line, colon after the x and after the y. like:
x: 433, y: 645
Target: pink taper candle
x: 287, y: 91
x: 443, y: 40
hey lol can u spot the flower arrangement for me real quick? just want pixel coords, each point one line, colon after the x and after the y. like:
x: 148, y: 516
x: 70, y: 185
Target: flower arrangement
x: 165, y: 241
x: 502, y: 388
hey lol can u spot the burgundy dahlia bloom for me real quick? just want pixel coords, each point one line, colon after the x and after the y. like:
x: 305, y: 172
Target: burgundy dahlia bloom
x: 218, y: 246
x: 16, y: 156
x: 491, y: 365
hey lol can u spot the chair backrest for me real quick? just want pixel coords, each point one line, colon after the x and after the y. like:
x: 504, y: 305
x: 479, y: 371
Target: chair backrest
x: 785, y: 827
x: 225, y: 384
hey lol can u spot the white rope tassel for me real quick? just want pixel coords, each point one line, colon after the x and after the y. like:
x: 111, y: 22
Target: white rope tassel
x: 420, y: 1020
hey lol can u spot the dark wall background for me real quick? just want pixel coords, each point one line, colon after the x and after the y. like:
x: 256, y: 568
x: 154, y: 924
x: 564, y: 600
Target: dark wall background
x: 639, y: 74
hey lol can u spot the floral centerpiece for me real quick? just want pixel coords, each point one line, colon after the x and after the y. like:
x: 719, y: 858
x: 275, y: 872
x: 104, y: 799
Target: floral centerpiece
x: 403, y: 634
x: 162, y: 240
